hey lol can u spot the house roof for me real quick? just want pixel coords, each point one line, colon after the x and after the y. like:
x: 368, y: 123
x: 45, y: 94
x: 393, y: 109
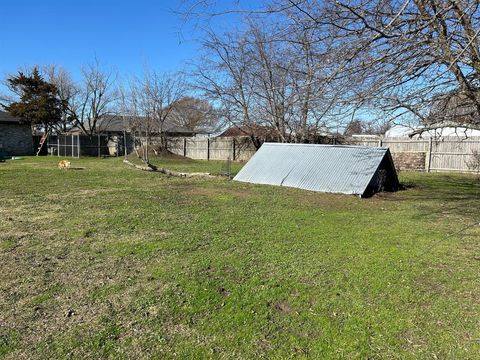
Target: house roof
x: 323, y: 168
x: 118, y: 123
x: 436, y: 131
x: 248, y: 130
x: 269, y: 133
x: 210, y: 130
x: 6, y: 118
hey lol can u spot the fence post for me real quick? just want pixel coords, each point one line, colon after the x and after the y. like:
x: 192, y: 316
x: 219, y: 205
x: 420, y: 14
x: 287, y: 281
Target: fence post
x: 124, y: 144
x: 185, y: 147
x: 428, y: 157
x: 208, y: 148
x: 78, y: 146
x: 98, y: 144
x: 58, y: 145
x: 233, y: 149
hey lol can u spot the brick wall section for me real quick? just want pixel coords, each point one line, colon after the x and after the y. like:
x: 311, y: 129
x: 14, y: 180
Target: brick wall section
x: 16, y: 139
x: 409, y: 161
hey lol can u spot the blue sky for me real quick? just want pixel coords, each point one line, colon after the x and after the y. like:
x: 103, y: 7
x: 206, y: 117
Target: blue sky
x: 124, y: 35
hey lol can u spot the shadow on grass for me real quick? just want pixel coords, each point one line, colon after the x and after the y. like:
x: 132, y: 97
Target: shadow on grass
x: 444, y: 195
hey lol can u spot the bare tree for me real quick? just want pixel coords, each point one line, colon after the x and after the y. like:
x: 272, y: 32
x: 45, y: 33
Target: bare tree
x: 221, y: 75
x: 67, y: 91
x: 414, y: 59
x: 194, y: 114
x: 148, y: 103
x: 95, y: 97
x: 86, y: 102
x: 262, y: 80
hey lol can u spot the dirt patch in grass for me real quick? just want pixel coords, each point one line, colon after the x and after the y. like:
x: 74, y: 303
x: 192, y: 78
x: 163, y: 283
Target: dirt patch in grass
x: 283, y: 307
x: 223, y: 292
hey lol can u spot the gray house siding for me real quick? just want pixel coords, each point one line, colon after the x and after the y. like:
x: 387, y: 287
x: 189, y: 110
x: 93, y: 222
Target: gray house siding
x: 16, y: 139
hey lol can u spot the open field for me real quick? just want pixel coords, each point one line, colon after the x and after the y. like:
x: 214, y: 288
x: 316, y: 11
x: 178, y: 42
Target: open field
x: 110, y: 261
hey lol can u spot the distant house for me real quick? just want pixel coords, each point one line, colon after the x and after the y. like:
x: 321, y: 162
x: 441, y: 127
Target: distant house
x: 451, y: 114
x: 117, y: 124
x: 109, y: 132
x: 250, y: 130
x: 15, y: 138
x: 261, y: 133
x: 342, y: 169
x: 208, y: 131
x: 443, y: 130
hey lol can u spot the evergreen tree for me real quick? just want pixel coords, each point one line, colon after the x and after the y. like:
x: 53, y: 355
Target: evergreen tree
x: 38, y: 102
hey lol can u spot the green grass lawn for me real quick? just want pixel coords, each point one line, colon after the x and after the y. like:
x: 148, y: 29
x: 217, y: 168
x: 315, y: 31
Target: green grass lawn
x: 182, y: 164
x: 109, y: 261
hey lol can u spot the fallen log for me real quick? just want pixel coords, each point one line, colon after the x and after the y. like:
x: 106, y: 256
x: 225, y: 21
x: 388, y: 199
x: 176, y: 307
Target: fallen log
x: 169, y: 172
x: 183, y: 174
x: 144, y: 168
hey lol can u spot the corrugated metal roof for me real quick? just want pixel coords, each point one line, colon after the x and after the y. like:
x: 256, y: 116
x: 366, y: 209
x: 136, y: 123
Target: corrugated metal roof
x: 323, y: 168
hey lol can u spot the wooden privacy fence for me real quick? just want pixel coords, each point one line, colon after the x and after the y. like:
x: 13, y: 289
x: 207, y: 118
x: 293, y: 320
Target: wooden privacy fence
x: 443, y: 154
x: 237, y: 149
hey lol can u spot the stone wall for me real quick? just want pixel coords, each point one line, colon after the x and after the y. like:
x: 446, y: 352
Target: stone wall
x: 409, y: 160
x: 16, y: 139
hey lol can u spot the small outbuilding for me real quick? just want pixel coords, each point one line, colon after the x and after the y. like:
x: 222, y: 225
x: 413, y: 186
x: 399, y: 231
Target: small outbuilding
x: 356, y: 170
x: 15, y: 137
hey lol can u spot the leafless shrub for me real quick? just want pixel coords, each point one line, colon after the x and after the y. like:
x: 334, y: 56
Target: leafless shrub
x: 474, y: 162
